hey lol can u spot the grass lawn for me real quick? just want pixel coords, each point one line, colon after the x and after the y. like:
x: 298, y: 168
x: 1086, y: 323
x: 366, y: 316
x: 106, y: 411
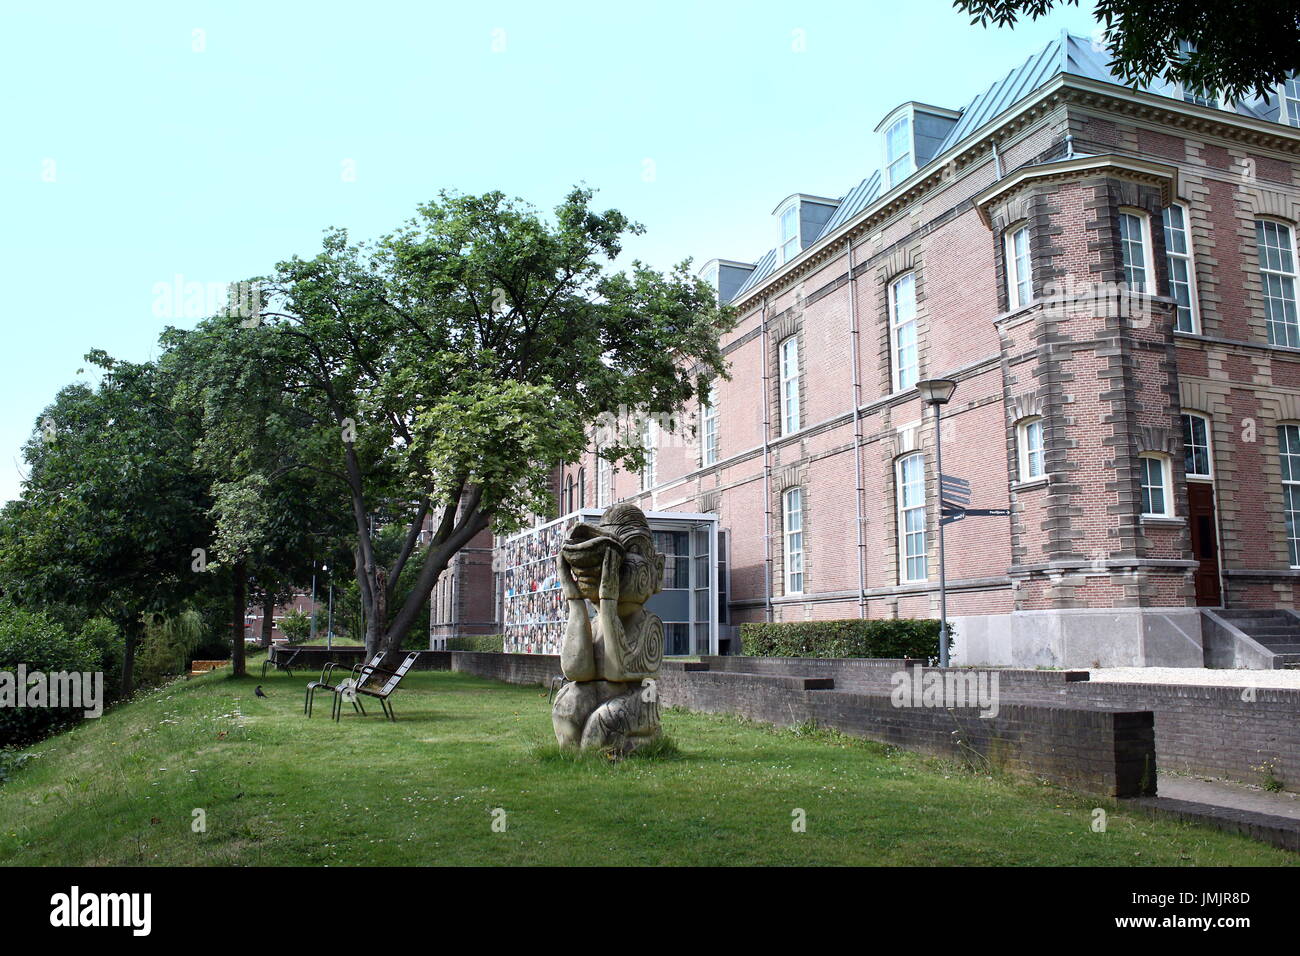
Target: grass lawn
x: 279, y: 789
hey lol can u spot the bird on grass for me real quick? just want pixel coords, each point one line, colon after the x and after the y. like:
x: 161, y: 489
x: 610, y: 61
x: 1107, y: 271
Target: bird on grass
x: 259, y: 692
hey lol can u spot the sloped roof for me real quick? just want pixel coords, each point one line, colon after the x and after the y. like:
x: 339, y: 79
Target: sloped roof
x: 1077, y: 56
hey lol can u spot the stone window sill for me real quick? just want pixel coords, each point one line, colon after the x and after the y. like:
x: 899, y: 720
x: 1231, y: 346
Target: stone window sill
x: 1031, y: 484
x: 1163, y: 521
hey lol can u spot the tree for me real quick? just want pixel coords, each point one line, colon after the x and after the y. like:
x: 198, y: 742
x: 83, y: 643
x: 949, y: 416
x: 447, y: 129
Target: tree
x: 1238, y: 46
x: 439, y: 373
x: 113, y: 512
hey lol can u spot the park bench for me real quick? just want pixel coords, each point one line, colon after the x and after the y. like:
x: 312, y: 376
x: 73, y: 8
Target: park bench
x: 198, y: 668
x: 274, y: 659
x: 382, y: 690
x: 328, y: 682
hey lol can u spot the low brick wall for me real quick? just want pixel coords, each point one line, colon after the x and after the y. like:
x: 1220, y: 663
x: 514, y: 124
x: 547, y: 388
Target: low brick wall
x: 1087, y: 749
x: 313, y: 657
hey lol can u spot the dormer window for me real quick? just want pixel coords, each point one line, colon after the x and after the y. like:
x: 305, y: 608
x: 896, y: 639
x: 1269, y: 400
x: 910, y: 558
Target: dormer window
x: 899, y: 161
x: 1190, y: 95
x: 789, y: 233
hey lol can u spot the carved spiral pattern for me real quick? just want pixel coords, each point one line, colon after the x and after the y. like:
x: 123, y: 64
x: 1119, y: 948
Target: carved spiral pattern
x: 645, y: 649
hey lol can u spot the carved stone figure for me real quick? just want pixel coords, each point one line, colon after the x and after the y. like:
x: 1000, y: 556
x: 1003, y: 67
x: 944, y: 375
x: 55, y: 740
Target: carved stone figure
x: 611, y: 662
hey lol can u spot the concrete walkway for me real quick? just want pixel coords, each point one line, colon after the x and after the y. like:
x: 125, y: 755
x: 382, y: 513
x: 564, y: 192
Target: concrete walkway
x: 1233, y: 808
x: 1201, y: 676
x: 1221, y: 793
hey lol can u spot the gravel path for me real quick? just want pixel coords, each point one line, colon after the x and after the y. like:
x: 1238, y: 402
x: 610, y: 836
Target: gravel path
x: 1197, y: 675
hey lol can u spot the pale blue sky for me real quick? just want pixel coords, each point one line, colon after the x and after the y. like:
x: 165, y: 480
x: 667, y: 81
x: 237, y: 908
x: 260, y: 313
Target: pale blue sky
x: 136, y: 149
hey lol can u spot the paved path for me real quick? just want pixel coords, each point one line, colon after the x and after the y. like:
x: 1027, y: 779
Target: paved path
x: 1220, y: 793
x: 1197, y: 675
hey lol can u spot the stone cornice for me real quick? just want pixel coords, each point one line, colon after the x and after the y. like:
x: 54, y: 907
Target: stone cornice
x: 1141, y: 171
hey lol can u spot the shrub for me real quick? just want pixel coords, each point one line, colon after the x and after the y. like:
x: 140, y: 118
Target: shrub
x: 477, y: 642
x: 296, y: 626
x: 102, y: 635
x: 37, y: 641
x: 168, y: 644
x: 897, y: 637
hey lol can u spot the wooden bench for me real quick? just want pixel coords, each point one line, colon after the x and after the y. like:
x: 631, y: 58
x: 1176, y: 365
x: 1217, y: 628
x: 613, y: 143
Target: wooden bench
x: 198, y: 668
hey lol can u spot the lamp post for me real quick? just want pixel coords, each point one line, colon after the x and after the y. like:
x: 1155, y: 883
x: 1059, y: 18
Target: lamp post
x: 329, y: 622
x: 936, y: 392
x: 312, y: 638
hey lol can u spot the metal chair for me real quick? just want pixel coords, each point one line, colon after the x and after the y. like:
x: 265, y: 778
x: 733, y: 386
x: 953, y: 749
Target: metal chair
x: 365, y: 684
x: 326, y: 682
x: 273, y: 660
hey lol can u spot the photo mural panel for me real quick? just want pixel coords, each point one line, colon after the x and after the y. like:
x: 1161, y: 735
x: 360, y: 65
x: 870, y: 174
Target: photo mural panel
x: 533, y: 608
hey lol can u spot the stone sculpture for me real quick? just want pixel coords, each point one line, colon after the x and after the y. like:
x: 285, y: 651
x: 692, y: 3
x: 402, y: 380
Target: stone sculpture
x: 609, y: 700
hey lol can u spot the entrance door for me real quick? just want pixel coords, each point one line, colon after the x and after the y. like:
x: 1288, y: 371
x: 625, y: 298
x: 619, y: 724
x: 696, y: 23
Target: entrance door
x: 1205, y: 542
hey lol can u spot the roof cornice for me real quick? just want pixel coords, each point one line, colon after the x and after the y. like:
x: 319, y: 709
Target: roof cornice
x: 1126, y: 167
x: 1061, y: 88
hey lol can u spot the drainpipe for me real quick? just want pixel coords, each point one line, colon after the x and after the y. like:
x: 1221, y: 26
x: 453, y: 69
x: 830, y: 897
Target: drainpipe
x: 767, y: 474
x: 857, y: 434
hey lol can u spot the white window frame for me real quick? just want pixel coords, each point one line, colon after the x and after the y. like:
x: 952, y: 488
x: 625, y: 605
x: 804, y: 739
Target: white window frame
x: 791, y: 411
x: 1189, y: 443
x: 709, y: 431
x: 604, y: 481
x: 792, y: 534
x: 1288, y: 438
x: 1188, y: 258
x: 1020, y: 275
x: 1165, y: 486
x: 1029, y: 453
x: 892, y: 172
x: 1285, y: 279
x: 790, y: 243
x: 903, y: 334
x: 910, y: 500
x: 649, y: 442
x: 1126, y: 247
x: 1288, y: 101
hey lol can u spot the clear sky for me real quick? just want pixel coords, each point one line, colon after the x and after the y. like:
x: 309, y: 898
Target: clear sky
x: 150, y: 140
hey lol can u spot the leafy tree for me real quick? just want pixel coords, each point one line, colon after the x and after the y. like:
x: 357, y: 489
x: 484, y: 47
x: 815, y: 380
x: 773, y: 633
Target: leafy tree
x: 296, y: 626
x: 113, y: 507
x: 438, y: 374
x: 1240, y: 46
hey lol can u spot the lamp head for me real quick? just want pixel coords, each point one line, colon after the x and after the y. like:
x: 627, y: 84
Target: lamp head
x: 936, y: 391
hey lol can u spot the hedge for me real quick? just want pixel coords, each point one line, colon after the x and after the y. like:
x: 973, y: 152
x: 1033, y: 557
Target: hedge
x: 895, y: 637
x: 477, y: 642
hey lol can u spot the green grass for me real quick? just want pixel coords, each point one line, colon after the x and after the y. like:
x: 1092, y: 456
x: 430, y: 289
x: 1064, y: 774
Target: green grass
x: 279, y: 789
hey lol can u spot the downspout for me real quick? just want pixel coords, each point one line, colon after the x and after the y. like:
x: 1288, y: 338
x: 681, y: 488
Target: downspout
x: 859, y: 495
x: 767, y: 474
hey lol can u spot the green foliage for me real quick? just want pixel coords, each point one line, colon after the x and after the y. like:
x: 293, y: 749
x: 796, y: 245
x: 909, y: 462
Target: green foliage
x: 296, y: 626
x: 106, y: 639
x: 1241, y: 46
x: 483, y: 643
x: 33, y: 639
x: 893, y: 638
x: 168, y: 645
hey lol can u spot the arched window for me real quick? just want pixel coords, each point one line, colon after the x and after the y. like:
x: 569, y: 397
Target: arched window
x: 582, y: 487
x: 790, y: 410
x: 1030, y: 447
x: 792, y: 525
x: 1020, y: 280
x: 568, y: 495
x: 910, y: 479
x: 902, y: 324
x: 1277, y: 273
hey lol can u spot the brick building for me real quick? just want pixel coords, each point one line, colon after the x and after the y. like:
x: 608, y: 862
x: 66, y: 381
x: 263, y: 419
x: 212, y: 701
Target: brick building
x: 1109, y: 274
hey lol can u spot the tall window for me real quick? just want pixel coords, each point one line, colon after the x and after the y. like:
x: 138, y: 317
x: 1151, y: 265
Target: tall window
x: 899, y: 163
x: 790, y: 233
x: 1153, y: 477
x: 1019, y: 274
x: 582, y: 487
x: 790, y: 421
x: 1030, y: 441
x: 792, y: 508
x: 1196, y: 445
x: 604, y: 481
x: 1134, y: 248
x: 1182, y: 274
x: 568, y: 495
x: 649, y: 441
x: 902, y: 320
x: 1289, y: 445
x: 1277, y: 274
x: 911, y: 518
x: 709, y: 431
x: 1289, y: 108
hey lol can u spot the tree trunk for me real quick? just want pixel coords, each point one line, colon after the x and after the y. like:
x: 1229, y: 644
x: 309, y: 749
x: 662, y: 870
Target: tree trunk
x: 238, y: 613
x: 378, y: 621
x: 268, y: 618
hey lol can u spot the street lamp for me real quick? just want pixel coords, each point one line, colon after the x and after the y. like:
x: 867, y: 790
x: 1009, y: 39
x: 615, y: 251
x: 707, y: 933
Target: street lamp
x: 936, y: 392
x: 329, y: 626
